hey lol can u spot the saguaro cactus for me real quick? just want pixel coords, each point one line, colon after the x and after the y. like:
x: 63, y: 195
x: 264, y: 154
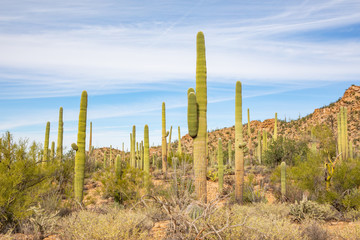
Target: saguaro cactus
x: 133, y: 161
x: 275, y: 128
x: 249, y: 135
x: 220, y: 166
x: 283, y: 180
x: 46, y: 144
x: 169, y: 145
x: 52, y: 151
x: 259, y: 147
x: 179, y: 150
x: 146, y: 155
x: 110, y: 156
x: 264, y: 143
x: 118, y: 165
x: 90, y: 141
x: 197, y: 123
x: 343, y: 145
x: 163, y: 142
x: 239, y: 145
x: 80, y: 153
x: 59, y: 150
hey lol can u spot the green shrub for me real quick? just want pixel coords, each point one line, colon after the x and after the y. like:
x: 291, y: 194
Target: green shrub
x: 286, y: 150
x: 129, y: 185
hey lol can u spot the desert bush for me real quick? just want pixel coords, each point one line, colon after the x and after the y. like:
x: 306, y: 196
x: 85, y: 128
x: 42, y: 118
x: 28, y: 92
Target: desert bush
x: 128, y: 186
x: 306, y: 209
x: 106, y: 224
x: 252, y: 194
x: 314, y: 231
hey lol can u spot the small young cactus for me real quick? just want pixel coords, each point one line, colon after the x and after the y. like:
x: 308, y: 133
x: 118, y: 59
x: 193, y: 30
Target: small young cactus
x: 179, y: 150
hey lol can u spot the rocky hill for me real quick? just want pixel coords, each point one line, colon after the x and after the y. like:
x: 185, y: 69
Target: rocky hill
x: 295, y: 129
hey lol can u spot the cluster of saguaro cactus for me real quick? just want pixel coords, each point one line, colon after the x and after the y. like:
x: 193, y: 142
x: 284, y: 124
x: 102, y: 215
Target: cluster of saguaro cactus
x: 275, y: 128
x: 343, y: 143
x: 197, y: 123
x: 239, y: 145
x: 163, y: 142
x: 59, y: 150
x: 80, y: 152
x: 46, y: 144
x: 220, y: 166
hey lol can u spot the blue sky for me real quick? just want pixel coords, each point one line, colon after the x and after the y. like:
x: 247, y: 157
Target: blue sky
x: 291, y: 56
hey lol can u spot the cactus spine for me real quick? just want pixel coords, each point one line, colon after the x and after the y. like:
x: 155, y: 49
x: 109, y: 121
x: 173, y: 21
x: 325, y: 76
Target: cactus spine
x: 46, y: 144
x: 283, y: 180
x: 80, y: 153
x: 133, y: 161
x: 164, y: 143
x: 197, y: 123
x: 179, y: 142
x: 239, y: 145
x: 146, y: 155
x: 169, y: 145
x: 59, y: 150
x: 275, y: 128
x: 220, y: 166
x: 229, y: 153
x: 52, y: 151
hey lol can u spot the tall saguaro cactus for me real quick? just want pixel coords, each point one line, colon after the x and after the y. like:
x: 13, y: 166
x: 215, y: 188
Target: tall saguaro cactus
x: 239, y: 145
x: 163, y: 142
x: 80, y: 153
x: 59, y: 150
x: 133, y: 140
x: 118, y: 165
x: 220, y: 166
x: 146, y: 155
x: 259, y: 147
x: 275, y: 127
x: 197, y: 123
x: 46, y: 144
x: 179, y: 150
x: 343, y: 144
